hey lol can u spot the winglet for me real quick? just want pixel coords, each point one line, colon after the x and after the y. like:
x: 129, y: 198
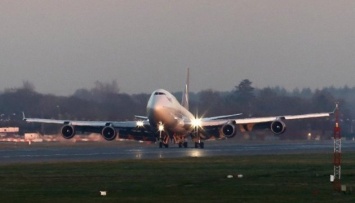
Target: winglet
x: 23, y: 116
x: 335, y: 109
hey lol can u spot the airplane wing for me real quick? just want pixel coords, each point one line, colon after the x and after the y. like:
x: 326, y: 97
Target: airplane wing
x: 218, y: 120
x: 224, y: 127
x: 128, y: 124
x: 122, y: 124
x: 221, y: 117
x: 273, y: 118
x: 138, y: 130
x: 141, y: 117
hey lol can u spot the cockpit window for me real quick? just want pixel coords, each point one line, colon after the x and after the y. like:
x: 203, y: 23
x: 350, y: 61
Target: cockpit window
x: 159, y: 93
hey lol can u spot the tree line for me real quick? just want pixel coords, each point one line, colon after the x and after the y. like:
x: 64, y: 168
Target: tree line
x: 105, y: 102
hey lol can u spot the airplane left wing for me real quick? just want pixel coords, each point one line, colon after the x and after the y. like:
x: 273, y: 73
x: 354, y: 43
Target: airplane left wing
x: 228, y: 127
x: 273, y: 118
x: 221, y: 117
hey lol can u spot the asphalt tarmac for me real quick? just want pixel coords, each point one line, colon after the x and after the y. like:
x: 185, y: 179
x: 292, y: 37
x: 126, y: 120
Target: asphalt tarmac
x: 11, y: 152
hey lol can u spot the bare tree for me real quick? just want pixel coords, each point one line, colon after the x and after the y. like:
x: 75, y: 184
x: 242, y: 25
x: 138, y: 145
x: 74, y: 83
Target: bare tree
x: 29, y: 86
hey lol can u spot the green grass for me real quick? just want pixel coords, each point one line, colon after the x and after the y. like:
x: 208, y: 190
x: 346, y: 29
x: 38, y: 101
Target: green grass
x: 276, y: 178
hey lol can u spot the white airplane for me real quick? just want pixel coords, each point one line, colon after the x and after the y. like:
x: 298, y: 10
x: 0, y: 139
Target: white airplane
x: 167, y: 119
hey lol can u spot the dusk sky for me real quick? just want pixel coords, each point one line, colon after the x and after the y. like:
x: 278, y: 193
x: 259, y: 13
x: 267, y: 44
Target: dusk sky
x: 62, y: 46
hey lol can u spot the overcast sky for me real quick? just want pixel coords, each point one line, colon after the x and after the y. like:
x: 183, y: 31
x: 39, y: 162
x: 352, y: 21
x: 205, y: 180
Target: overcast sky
x: 61, y: 46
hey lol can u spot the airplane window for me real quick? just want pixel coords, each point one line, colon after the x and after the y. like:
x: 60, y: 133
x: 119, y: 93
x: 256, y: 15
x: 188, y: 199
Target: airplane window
x: 159, y: 93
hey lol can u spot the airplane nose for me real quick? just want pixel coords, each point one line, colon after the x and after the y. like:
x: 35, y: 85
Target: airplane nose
x: 156, y: 102
x: 155, y: 105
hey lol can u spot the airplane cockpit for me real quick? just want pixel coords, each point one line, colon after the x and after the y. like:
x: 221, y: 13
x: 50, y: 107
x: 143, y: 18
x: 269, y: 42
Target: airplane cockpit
x: 159, y: 93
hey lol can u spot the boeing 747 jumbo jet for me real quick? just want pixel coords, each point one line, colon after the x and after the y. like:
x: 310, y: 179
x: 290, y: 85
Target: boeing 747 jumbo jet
x: 167, y: 120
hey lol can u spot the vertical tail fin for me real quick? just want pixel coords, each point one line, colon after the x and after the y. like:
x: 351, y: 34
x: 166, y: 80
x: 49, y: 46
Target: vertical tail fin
x: 185, y: 94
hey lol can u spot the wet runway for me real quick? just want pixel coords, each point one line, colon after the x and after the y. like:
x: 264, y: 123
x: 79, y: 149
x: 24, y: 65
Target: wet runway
x: 107, y: 151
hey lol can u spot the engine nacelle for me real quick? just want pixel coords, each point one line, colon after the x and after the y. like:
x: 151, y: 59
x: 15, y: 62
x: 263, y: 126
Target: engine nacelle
x: 228, y: 130
x: 68, y: 131
x: 278, y: 127
x: 109, y: 133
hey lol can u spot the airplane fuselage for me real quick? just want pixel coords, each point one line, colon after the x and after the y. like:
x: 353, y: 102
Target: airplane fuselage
x: 163, y: 109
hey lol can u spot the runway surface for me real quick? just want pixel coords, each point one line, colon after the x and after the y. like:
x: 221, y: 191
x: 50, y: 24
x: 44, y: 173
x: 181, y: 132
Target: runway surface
x: 107, y: 151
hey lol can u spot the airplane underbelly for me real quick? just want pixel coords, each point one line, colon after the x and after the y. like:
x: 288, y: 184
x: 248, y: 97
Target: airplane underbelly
x: 172, y: 125
x: 157, y: 117
x: 170, y: 122
x: 180, y: 129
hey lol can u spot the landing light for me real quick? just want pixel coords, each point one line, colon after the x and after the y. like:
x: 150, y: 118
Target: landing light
x: 196, y: 122
x: 140, y: 124
x: 161, y: 127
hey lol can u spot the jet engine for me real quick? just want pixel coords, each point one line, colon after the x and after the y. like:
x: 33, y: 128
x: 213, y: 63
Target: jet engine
x: 109, y: 133
x: 278, y: 127
x: 228, y: 130
x: 68, y: 131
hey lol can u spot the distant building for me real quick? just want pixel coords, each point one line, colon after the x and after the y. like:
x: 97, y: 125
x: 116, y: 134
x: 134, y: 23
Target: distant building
x: 8, y: 131
x: 31, y: 136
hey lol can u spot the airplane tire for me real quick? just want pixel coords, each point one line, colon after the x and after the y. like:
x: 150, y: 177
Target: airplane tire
x: 166, y: 145
x: 202, y: 145
x: 160, y: 145
x: 196, y: 144
x: 185, y: 144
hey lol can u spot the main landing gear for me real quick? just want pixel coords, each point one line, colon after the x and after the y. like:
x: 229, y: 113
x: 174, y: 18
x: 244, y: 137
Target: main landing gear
x: 164, y: 139
x: 161, y: 144
x: 180, y: 139
x: 199, y: 144
x: 182, y: 144
x: 197, y: 139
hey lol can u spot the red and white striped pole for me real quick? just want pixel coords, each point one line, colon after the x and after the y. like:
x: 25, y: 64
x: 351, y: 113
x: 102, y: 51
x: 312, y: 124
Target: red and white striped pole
x: 337, y: 152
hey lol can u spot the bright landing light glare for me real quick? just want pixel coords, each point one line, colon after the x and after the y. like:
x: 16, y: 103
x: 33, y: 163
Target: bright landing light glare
x: 140, y: 124
x: 196, y: 122
x: 161, y: 127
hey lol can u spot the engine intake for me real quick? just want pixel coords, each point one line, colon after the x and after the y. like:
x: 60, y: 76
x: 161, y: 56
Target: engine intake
x: 278, y: 127
x: 109, y: 133
x: 68, y: 131
x: 228, y: 130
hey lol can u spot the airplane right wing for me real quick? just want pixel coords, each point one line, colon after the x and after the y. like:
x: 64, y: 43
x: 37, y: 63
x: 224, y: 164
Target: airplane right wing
x: 137, y: 130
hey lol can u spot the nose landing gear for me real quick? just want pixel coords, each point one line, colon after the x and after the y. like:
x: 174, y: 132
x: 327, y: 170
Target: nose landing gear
x: 199, y: 144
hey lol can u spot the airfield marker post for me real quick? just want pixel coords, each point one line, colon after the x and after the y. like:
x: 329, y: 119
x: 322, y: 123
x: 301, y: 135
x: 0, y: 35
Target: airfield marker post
x: 337, y: 152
